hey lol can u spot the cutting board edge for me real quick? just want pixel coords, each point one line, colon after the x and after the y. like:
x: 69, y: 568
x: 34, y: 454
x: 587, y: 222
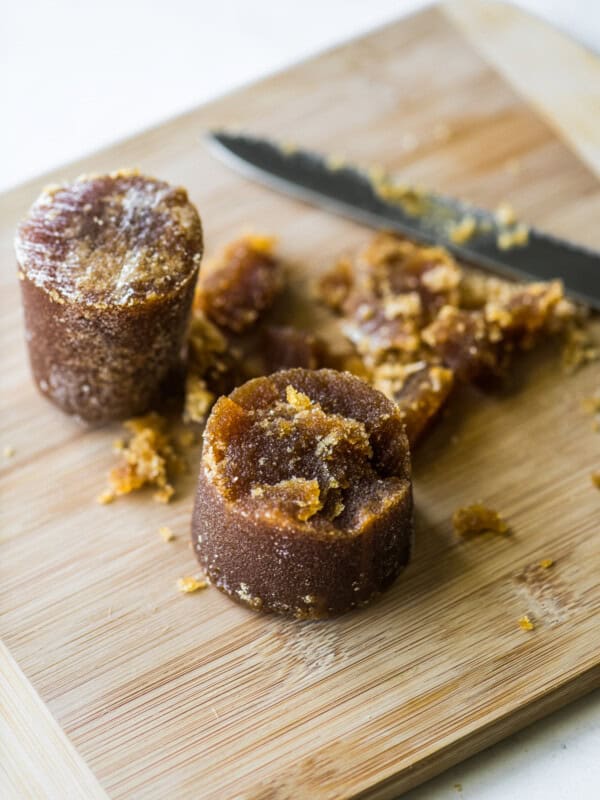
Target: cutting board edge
x: 475, y: 742
x: 493, y: 28
x: 571, y: 689
x: 42, y: 755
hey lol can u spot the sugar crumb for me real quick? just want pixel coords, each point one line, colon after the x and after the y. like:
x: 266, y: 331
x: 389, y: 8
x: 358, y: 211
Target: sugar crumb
x: 525, y: 623
x: 148, y: 458
x: 478, y: 518
x: 546, y: 563
x: 189, y: 584
x: 198, y: 399
x: 337, y: 161
x: 579, y: 349
x: 106, y: 497
x: 298, y: 400
x: 166, y: 533
x: 513, y: 237
x: 464, y: 230
x: 505, y: 214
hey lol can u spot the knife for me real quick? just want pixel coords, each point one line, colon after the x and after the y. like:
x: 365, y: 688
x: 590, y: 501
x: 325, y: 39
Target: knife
x: 473, y: 235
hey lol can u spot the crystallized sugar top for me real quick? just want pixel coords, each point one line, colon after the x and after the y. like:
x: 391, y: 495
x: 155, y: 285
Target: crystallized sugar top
x: 110, y: 239
x: 304, y: 446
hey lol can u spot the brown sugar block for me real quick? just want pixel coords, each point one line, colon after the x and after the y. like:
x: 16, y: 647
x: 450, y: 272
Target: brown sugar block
x: 240, y: 284
x: 420, y: 391
x: 334, y: 286
x: 304, y: 501
x: 392, y: 265
x: 522, y: 313
x: 285, y: 347
x: 108, y: 266
x: 464, y: 342
x: 398, y: 288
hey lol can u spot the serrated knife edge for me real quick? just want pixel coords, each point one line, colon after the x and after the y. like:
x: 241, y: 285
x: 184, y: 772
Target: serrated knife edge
x: 351, y: 192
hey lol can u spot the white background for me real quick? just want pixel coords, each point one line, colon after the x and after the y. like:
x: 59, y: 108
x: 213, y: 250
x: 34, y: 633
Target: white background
x: 77, y: 75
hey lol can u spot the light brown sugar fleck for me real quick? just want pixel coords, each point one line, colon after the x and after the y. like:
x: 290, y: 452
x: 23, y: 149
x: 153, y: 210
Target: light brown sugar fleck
x: 190, y: 583
x: 526, y: 624
x: 463, y: 230
x: 513, y: 237
x: 148, y: 458
x: 505, y: 214
x: 106, y: 497
x: 478, y: 518
x: 166, y: 533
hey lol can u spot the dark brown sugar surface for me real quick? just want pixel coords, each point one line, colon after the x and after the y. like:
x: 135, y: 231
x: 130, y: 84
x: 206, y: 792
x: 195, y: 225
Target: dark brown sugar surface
x: 110, y: 240
x: 397, y: 287
x: 240, y: 284
x: 313, y: 457
x: 296, y: 445
x: 422, y: 324
x: 107, y: 267
x: 420, y: 390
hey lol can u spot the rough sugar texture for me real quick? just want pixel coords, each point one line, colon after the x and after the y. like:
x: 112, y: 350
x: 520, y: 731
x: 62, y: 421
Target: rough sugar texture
x: 421, y: 324
x: 284, y: 347
x: 304, y: 502
x: 419, y: 389
x: 240, y: 284
x: 107, y: 267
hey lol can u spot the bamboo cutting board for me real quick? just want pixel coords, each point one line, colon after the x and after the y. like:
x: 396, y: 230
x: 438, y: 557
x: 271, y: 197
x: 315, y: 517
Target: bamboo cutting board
x: 113, y: 682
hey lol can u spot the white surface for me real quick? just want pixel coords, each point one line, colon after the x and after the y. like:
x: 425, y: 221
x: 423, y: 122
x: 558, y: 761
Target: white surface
x: 557, y: 758
x: 75, y: 76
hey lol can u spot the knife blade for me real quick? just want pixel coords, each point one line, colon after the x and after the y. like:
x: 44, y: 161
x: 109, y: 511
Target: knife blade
x: 472, y: 234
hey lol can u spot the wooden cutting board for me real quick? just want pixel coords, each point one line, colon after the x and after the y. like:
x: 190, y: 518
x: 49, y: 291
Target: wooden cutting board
x: 170, y: 695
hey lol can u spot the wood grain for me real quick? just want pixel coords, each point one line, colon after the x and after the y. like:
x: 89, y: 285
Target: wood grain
x: 568, y: 95
x: 38, y: 761
x: 171, y: 695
